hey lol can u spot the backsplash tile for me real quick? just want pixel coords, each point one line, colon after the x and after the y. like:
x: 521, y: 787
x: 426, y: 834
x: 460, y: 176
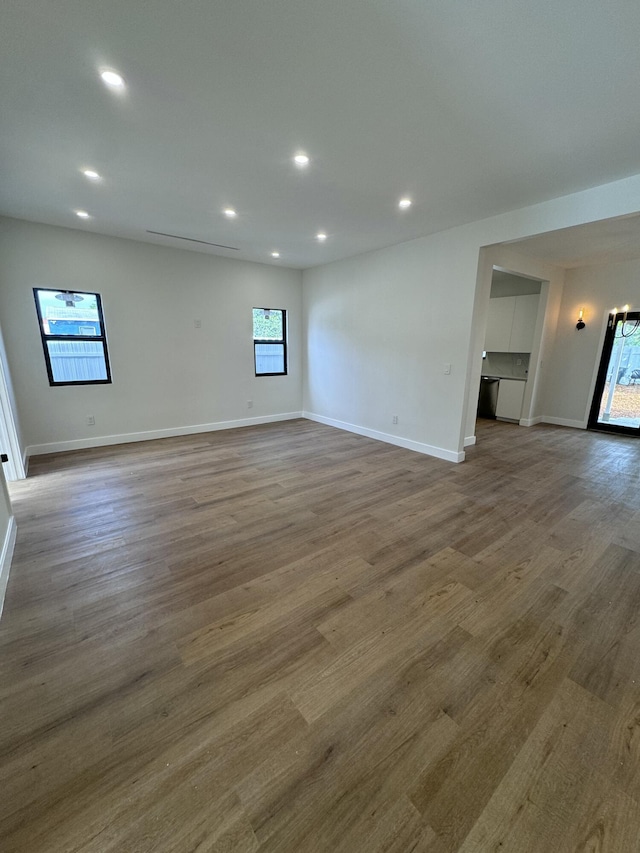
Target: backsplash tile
x: 505, y: 364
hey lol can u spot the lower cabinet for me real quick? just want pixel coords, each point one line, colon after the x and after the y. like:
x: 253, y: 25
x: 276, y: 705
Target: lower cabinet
x: 510, y: 396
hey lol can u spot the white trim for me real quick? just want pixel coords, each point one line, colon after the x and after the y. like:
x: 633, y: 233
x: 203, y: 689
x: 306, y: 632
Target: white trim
x: 529, y: 422
x: 148, y: 435
x: 469, y: 441
x: 596, y: 368
x: 549, y: 419
x: 418, y: 446
x: 15, y: 469
x: 6, y: 556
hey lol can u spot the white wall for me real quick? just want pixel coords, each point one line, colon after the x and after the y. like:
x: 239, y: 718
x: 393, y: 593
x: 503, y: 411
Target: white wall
x: 576, y: 354
x: 506, y: 284
x: 380, y: 327
x: 166, y: 373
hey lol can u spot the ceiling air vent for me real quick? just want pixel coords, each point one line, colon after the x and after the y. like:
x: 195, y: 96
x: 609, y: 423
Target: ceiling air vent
x: 192, y: 240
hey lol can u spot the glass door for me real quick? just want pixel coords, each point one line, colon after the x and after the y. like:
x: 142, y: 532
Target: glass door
x: 616, y: 401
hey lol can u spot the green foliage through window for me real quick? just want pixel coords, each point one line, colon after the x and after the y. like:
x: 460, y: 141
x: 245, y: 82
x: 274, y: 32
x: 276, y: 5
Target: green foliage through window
x: 267, y: 324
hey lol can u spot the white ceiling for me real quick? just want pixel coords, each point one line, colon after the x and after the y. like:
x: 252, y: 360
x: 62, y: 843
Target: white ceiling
x: 470, y: 108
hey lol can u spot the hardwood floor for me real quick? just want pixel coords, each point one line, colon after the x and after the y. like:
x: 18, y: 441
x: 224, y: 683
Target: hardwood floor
x: 291, y: 638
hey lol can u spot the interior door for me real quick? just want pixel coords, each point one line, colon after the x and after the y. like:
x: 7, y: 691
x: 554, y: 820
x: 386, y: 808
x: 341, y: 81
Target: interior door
x: 616, y: 400
x: 12, y: 465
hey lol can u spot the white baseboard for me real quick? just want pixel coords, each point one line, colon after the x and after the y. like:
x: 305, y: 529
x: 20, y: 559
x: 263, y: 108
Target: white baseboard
x: 6, y: 556
x: 419, y: 447
x: 469, y: 441
x: 549, y: 419
x: 147, y: 435
x: 529, y: 422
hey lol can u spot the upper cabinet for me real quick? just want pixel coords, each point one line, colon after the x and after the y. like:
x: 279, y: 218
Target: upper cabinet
x: 499, y: 323
x: 524, y: 323
x: 511, y: 323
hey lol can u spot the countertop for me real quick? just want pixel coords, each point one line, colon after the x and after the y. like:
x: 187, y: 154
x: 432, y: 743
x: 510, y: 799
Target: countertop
x: 498, y: 376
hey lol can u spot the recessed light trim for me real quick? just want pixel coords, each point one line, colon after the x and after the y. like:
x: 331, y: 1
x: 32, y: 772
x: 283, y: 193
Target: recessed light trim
x: 91, y: 174
x: 301, y: 159
x: 275, y: 254
x: 230, y: 213
x: 112, y: 79
x: 82, y: 214
x: 321, y: 236
x: 405, y: 203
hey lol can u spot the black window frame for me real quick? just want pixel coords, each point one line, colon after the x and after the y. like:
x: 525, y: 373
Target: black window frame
x: 278, y: 342
x: 601, y: 380
x: 102, y: 338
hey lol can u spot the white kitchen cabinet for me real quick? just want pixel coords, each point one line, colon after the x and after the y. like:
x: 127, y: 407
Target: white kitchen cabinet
x: 510, y: 397
x: 523, y: 327
x: 499, y: 323
x: 511, y: 323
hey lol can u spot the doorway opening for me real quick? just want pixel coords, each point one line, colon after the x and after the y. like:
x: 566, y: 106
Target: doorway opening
x: 616, y: 399
x: 511, y: 345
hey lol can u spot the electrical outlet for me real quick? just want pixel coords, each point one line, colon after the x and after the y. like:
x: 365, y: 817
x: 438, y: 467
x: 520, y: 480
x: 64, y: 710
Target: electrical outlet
x: 249, y: 404
x: 197, y: 324
x: 395, y: 419
x: 447, y: 369
x: 518, y: 361
x: 91, y: 421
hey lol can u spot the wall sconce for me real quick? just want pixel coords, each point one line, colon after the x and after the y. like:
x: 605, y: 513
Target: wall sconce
x: 580, y: 324
x: 613, y: 317
x: 624, y: 322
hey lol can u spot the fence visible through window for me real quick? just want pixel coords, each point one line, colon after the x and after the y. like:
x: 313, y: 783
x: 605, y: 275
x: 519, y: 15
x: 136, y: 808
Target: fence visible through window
x: 269, y: 358
x: 76, y: 361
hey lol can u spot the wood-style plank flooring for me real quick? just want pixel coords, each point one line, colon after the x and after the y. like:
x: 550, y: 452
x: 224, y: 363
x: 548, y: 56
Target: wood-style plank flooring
x: 290, y: 639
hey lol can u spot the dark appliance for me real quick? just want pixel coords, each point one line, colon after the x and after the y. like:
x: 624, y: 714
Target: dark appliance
x: 488, y: 398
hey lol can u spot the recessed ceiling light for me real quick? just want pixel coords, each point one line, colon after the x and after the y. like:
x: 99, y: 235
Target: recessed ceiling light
x: 82, y: 214
x: 301, y: 160
x: 275, y: 254
x: 112, y: 79
x: 404, y: 203
x: 230, y: 212
x: 91, y: 174
x: 321, y: 236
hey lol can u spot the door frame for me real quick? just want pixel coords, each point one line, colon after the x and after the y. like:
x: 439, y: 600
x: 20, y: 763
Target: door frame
x: 14, y: 469
x: 601, y: 378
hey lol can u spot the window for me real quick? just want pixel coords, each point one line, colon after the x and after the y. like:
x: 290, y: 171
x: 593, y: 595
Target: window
x: 73, y: 337
x: 270, y: 341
